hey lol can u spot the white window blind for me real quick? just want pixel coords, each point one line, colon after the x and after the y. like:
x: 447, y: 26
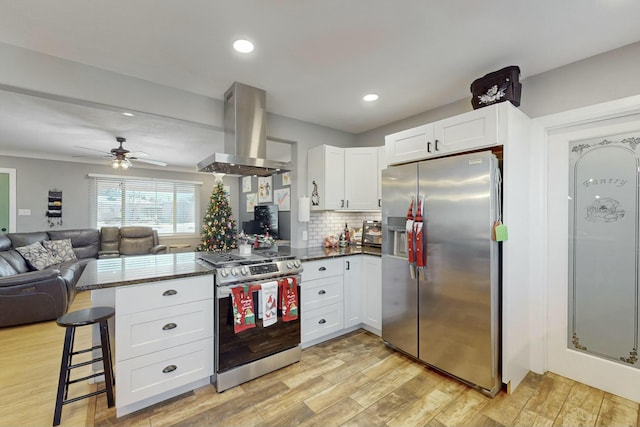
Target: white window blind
x: 171, y: 207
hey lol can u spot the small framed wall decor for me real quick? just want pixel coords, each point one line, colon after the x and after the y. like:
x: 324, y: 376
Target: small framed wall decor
x: 246, y: 184
x: 286, y: 179
x: 283, y: 198
x: 251, y: 201
x: 265, y: 189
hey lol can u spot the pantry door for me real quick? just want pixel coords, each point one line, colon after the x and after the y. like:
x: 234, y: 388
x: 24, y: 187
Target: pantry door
x: 593, y: 255
x: 7, y: 200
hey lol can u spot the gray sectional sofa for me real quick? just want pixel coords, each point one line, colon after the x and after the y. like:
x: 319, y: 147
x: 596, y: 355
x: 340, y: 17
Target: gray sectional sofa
x: 38, y: 282
x: 30, y: 295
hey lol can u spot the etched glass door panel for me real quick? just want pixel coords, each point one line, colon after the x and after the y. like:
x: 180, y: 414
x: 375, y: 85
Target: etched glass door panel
x: 603, y: 248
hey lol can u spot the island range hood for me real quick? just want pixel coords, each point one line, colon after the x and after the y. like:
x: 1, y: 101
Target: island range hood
x: 245, y: 136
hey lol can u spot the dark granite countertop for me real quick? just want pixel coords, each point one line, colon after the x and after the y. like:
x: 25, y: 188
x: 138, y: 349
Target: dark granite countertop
x: 313, y: 254
x: 113, y: 272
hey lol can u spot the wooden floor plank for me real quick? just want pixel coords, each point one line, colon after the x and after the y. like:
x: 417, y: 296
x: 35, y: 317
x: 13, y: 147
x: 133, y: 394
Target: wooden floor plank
x: 354, y: 380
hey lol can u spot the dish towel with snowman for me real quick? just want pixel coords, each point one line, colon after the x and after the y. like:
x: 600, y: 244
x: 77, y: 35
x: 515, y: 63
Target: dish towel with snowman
x: 268, y: 307
x: 242, y: 302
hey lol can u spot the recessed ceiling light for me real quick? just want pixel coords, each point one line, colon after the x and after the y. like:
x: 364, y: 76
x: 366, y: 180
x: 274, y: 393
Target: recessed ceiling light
x: 128, y: 114
x: 243, y: 46
x: 370, y: 97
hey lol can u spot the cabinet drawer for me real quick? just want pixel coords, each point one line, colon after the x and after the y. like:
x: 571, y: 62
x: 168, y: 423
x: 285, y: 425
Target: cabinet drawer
x: 320, y: 322
x: 321, y: 292
x: 146, y: 376
x: 131, y: 299
x: 323, y: 268
x: 155, y: 330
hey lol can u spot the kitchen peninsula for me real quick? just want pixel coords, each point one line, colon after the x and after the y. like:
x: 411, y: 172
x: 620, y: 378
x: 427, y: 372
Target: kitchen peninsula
x: 163, y: 331
x: 163, y: 328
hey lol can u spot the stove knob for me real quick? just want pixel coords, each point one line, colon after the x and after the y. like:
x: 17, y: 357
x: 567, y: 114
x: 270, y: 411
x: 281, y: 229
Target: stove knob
x: 244, y: 271
x: 297, y: 263
x: 234, y: 271
x: 223, y: 272
x: 289, y: 265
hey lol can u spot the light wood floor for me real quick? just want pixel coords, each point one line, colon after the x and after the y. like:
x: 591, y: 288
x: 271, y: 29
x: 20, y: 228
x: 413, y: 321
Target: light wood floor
x: 351, y: 381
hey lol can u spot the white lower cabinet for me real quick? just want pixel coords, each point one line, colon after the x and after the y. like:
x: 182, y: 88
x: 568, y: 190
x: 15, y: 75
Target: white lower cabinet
x: 353, y: 297
x: 146, y: 376
x: 339, y: 295
x: 322, y: 311
x: 372, y: 293
x: 321, y: 322
x: 163, y: 340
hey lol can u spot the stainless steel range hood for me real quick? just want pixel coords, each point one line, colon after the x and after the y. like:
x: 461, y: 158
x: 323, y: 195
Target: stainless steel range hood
x: 245, y: 136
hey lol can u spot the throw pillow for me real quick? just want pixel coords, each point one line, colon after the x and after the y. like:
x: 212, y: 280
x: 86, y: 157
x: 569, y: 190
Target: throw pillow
x: 37, y: 256
x: 61, y: 250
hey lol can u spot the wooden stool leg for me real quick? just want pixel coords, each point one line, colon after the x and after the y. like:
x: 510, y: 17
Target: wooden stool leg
x: 106, y: 361
x: 63, y: 380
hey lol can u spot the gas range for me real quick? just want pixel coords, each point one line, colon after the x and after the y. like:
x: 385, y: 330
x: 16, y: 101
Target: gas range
x: 261, y: 265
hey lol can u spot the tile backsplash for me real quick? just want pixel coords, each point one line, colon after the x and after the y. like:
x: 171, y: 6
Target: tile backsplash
x: 323, y: 224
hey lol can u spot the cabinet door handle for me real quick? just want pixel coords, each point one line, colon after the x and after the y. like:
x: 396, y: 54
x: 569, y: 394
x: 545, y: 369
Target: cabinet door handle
x: 342, y: 203
x: 322, y: 268
x: 322, y: 321
x: 428, y: 146
x: 347, y: 203
x: 322, y: 292
x: 436, y: 145
x: 169, y: 368
x: 348, y: 265
x: 169, y: 292
x: 379, y: 203
x: 169, y: 326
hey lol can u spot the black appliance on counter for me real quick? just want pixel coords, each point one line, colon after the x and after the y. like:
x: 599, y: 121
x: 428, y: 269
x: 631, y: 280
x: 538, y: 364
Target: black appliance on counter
x: 243, y: 356
x: 265, y: 219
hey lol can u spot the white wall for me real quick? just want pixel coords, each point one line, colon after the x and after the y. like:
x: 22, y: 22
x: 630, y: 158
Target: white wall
x: 32, y: 71
x: 35, y: 177
x: 605, y: 77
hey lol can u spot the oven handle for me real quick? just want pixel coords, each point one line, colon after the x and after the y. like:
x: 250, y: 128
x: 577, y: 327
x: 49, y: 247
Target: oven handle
x: 225, y: 291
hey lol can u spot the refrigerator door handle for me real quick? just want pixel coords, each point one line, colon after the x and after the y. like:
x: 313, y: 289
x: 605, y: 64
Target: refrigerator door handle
x: 420, y: 239
x: 410, y: 239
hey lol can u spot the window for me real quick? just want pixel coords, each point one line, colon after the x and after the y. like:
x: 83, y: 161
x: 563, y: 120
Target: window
x: 171, y: 207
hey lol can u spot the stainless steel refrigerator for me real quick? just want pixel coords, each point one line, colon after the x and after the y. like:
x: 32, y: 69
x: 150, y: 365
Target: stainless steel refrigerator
x: 445, y: 314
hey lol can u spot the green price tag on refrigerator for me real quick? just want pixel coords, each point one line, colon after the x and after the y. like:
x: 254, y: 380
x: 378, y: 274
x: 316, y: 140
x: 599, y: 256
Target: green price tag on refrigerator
x: 500, y: 232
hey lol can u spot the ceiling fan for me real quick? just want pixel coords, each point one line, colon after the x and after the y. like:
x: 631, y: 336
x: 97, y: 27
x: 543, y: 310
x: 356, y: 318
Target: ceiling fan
x: 121, y: 157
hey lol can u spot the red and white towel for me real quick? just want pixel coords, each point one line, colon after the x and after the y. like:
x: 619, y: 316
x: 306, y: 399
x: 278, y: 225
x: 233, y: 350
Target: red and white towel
x: 288, y: 298
x: 268, y: 306
x: 243, y: 315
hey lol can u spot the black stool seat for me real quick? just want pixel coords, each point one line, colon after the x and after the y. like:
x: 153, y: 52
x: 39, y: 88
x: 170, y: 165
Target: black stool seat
x: 85, y: 317
x: 71, y: 321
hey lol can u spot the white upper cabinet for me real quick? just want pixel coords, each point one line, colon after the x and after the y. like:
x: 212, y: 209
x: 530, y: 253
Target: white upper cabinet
x: 361, y: 178
x: 326, y: 177
x: 484, y: 127
x: 409, y: 145
x: 343, y: 178
x: 382, y: 164
x: 475, y: 129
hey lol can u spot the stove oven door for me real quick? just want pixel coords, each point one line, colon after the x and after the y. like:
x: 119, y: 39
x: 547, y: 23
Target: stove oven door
x: 237, y: 349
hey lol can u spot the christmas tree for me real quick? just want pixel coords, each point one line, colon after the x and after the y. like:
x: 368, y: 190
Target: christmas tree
x: 218, y: 227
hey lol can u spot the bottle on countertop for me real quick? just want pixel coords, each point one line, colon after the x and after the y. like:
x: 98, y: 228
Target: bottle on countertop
x: 346, y: 233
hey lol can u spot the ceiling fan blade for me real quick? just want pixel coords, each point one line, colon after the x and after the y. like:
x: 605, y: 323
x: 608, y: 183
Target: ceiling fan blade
x: 91, y: 156
x: 149, y: 161
x: 93, y: 149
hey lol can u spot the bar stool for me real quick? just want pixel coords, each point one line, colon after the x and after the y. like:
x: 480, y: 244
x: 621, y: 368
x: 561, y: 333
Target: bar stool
x: 71, y: 321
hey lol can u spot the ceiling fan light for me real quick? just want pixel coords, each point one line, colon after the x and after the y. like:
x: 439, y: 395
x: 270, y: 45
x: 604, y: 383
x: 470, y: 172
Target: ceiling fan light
x: 370, y: 97
x: 115, y: 164
x: 124, y: 165
x: 243, y: 46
